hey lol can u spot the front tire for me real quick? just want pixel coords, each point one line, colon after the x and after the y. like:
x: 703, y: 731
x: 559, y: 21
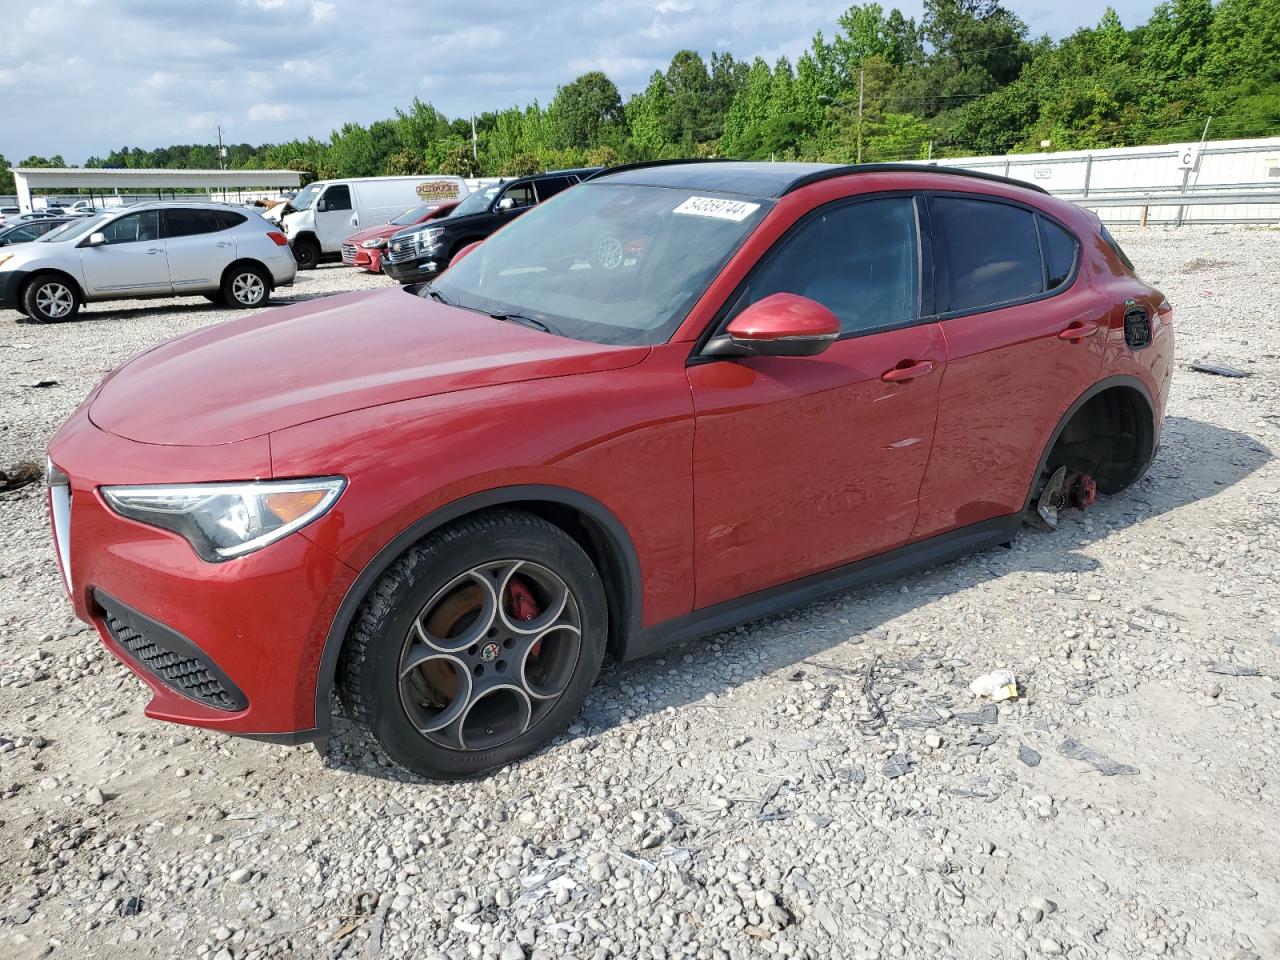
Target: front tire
x: 50, y: 299
x: 246, y: 287
x: 307, y: 253
x: 477, y: 646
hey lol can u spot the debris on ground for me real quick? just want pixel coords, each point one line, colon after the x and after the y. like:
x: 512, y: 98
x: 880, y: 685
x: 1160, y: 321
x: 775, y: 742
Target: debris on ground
x: 1075, y: 750
x: 41, y: 384
x: 1223, y: 668
x: 1028, y: 756
x: 897, y: 765
x: 1218, y: 369
x: 997, y: 685
x: 20, y: 474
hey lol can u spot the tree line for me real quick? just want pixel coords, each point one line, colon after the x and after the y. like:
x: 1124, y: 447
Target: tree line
x: 967, y: 79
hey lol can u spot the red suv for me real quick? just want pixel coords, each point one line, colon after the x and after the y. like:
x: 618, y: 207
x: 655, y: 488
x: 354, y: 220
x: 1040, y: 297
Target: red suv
x: 813, y: 376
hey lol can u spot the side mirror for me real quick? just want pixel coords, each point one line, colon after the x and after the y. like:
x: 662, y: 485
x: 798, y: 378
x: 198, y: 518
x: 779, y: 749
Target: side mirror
x: 96, y: 239
x: 780, y: 325
x: 506, y: 203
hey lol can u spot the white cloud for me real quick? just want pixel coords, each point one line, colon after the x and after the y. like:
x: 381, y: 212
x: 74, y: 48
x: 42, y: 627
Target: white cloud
x: 159, y: 82
x: 271, y: 112
x: 322, y: 12
x: 673, y: 6
x: 203, y: 121
x: 8, y: 78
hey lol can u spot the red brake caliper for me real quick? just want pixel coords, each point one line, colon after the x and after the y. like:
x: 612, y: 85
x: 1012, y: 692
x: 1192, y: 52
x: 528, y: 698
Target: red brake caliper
x: 523, y: 605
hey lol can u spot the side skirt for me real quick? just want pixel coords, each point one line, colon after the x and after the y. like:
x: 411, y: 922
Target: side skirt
x: 884, y: 566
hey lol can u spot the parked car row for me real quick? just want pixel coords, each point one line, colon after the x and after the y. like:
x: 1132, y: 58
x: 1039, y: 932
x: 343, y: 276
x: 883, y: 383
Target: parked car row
x: 325, y: 213
x: 422, y: 252
x: 157, y: 249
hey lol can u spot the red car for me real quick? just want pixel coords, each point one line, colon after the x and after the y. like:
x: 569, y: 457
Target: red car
x: 814, y: 377
x: 364, y: 249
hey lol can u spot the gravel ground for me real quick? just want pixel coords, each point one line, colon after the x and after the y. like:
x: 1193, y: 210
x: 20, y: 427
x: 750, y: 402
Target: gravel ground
x: 819, y: 784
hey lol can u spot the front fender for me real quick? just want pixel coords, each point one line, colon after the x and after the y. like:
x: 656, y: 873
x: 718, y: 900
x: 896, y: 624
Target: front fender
x: 615, y: 445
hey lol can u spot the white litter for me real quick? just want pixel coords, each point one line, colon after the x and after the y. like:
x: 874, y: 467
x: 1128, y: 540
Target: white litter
x: 996, y: 685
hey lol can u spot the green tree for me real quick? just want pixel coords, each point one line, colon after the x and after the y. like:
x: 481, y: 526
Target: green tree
x: 649, y: 117
x: 7, y: 186
x: 456, y: 160
x: 586, y: 111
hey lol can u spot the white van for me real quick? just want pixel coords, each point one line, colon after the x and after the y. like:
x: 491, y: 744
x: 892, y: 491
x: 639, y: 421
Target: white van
x: 326, y: 212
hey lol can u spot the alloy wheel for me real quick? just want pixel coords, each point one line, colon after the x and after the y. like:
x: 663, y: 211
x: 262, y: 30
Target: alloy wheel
x: 248, y: 289
x: 489, y: 654
x: 54, y: 299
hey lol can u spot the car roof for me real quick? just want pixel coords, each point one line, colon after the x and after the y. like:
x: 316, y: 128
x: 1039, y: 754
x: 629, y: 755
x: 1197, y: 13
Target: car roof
x: 768, y: 180
x: 179, y: 204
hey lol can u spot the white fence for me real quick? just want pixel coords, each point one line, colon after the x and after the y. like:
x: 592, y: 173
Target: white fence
x: 1106, y: 179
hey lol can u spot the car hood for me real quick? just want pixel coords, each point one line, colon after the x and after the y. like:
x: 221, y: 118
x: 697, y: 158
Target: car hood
x: 372, y: 233
x: 282, y: 367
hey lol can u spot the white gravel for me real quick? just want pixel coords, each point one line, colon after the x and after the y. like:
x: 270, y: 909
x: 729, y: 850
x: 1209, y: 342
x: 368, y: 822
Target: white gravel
x: 820, y: 784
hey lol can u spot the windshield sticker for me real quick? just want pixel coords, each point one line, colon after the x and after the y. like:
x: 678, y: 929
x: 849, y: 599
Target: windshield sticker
x: 718, y: 209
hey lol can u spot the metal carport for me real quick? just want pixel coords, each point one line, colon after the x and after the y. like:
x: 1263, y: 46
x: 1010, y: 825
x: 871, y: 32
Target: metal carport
x: 108, y: 182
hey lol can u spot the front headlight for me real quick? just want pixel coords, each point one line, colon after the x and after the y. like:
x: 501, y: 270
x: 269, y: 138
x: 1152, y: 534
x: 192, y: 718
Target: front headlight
x: 429, y: 238
x: 226, y: 520
x: 375, y: 244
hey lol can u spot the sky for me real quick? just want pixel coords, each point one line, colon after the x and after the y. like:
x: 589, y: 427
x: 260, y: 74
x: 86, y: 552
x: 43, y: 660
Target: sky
x: 81, y: 77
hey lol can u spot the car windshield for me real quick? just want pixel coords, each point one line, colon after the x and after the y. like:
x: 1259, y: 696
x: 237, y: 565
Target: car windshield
x: 306, y: 197
x: 607, y: 263
x: 414, y: 214
x: 477, y: 202
x: 74, y: 229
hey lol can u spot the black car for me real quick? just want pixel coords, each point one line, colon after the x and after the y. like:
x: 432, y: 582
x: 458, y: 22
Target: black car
x: 421, y: 251
x: 29, y: 230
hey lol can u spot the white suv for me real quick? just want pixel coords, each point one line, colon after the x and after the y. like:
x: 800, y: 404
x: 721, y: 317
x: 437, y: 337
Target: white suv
x: 163, y: 249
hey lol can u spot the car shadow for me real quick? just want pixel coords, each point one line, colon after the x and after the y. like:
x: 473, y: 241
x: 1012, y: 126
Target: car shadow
x: 1196, y: 460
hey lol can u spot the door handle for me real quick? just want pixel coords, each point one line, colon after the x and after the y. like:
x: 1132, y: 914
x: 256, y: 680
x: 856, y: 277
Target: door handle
x: 907, y: 370
x: 156, y: 250
x: 222, y: 243
x: 1078, y: 330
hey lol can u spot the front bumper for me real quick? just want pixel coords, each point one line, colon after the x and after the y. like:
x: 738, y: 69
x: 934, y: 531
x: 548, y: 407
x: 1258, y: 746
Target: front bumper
x: 413, y: 271
x: 10, y: 286
x: 232, y: 646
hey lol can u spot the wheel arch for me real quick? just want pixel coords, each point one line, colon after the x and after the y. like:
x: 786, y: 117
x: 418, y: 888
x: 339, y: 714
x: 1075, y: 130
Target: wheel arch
x: 40, y: 272
x: 242, y: 262
x: 591, y: 524
x: 1123, y: 382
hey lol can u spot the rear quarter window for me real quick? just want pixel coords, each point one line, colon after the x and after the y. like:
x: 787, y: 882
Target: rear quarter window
x: 1119, y: 251
x: 1059, y: 249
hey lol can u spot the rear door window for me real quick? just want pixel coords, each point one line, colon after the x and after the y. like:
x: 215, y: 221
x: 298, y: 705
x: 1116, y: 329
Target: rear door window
x: 549, y: 188
x: 188, y: 223
x: 859, y: 260
x: 991, y: 251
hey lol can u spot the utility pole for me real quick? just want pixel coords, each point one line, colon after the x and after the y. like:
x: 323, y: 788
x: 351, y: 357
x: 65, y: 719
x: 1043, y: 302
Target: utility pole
x: 222, y: 153
x: 862, y: 74
x: 475, y: 148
